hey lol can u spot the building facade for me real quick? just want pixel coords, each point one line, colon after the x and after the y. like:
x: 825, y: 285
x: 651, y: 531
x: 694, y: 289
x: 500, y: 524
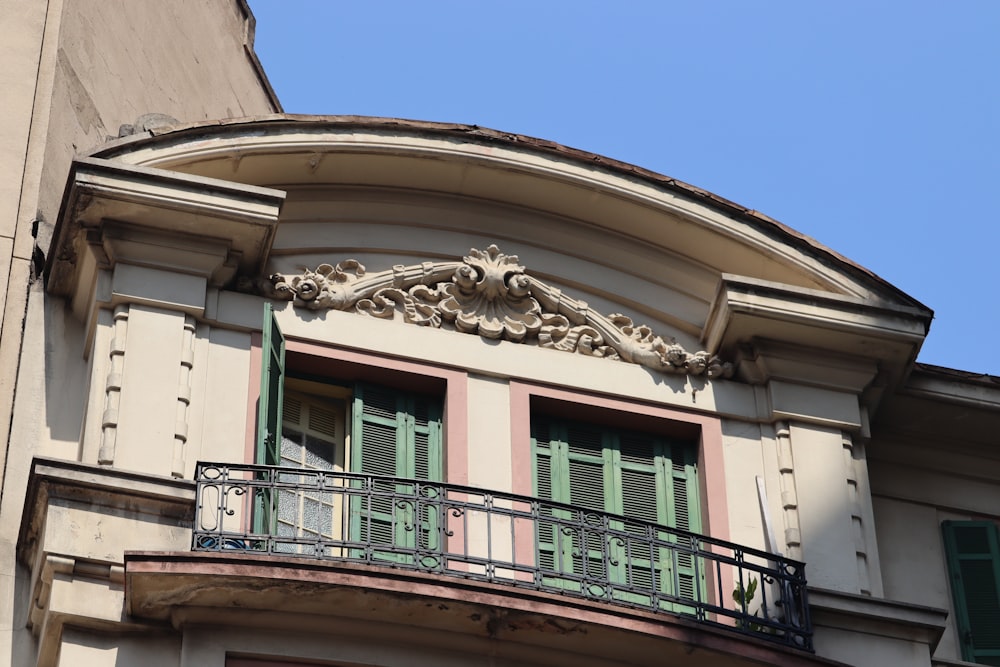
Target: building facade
x: 359, y: 391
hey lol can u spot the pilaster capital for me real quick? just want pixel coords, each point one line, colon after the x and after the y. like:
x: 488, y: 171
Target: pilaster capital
x: 115, y: 214
x: 812, y: 338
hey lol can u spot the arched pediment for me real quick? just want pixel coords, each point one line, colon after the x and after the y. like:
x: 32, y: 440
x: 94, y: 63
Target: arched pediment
x: 616, y: 202
x: 295, y: 196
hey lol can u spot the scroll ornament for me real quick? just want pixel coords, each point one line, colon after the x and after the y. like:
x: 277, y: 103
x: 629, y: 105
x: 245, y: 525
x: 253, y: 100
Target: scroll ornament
x: 488, y: 293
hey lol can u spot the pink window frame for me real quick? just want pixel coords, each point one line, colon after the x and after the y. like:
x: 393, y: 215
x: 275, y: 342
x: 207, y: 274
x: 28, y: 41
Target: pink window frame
x: 455, y: 446
x: 711, y: 462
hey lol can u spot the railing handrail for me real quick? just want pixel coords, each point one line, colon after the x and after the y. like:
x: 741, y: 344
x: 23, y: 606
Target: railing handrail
x: 572, y: 546
x: 458, y: 488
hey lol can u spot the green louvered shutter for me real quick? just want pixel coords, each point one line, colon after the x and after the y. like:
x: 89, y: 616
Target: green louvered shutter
x: 425, y: 463
x: 588, y: 484
x: 639, y: 476
x: 973, y: 556
x: 395, y: 434
x: 680, y: 465
x: 269, y: 408
x: 640, y: 464
x: 569, y: 468
x: 272, y: 383
x: 547, y: 531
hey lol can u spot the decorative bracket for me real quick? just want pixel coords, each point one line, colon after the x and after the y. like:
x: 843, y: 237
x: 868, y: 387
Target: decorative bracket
x: 488, y: 293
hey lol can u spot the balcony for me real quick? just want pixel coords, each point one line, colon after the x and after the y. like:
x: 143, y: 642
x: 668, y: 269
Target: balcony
x: 500, y: 538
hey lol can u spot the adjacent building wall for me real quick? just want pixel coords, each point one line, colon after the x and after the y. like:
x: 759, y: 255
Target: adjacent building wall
x: 74, y: 72
x: 917, y: 484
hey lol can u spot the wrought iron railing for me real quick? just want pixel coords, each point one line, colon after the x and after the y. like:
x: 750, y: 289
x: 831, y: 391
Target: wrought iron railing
x: 500, y: 538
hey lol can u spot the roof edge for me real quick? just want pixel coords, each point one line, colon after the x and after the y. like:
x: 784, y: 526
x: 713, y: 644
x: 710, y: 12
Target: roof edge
x: 541, y: 146
x: 248, y: 46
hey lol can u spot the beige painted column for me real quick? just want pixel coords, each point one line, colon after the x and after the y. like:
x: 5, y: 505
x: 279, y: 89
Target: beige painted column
x: 824, y: 508
x: 490, y: 468
x: 144, y: 430
x: 813, y: 401
x: 489, y: 433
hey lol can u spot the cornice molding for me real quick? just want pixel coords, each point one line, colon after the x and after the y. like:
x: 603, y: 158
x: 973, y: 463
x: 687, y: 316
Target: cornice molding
x: 490, y: 294
x: 174, y: 208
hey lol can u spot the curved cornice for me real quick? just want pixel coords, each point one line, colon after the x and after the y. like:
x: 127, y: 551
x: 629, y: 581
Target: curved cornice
x: 488, y: 293
x: 306, y: 142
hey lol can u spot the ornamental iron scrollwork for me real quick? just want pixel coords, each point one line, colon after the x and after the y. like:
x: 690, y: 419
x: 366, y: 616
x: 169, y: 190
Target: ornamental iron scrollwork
x: 501, y: 539
x: 489, y: 293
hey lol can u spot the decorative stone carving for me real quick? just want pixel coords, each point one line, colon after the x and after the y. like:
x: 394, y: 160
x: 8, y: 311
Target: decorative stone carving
x: 488, y: 293
x: 113, y: 387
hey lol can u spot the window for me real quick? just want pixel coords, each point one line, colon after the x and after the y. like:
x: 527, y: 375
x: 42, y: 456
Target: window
x: 640, y: 476
x: 972, y: 549
x: 364, y: 427
x: 313, y: 437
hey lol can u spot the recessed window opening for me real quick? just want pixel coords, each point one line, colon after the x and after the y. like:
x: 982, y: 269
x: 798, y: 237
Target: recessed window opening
x: 327, y: 417
x: 596, y: 466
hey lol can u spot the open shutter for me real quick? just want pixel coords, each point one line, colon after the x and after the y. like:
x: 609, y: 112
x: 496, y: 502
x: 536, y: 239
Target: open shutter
x: 269, y: 408
x: 272, y: 383
x: 973, y: 555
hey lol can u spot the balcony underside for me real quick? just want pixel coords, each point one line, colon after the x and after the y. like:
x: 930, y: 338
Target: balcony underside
x: 288, y: 593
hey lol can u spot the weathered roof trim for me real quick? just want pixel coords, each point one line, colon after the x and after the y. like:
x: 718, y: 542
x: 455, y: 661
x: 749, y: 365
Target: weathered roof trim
x: 949, y: 385
x: 540, y: 146
x: 956, y: 375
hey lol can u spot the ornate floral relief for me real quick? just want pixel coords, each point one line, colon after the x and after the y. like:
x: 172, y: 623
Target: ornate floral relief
x: 488, y: 293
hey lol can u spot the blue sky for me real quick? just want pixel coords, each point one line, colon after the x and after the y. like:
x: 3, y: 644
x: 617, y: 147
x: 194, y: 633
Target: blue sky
x: 874, y: 130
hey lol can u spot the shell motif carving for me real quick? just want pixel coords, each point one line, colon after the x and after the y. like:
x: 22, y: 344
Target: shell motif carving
x: 488, y: 293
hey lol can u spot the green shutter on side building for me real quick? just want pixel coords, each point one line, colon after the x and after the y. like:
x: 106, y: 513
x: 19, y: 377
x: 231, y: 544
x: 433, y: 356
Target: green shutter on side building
x: 973, y: 552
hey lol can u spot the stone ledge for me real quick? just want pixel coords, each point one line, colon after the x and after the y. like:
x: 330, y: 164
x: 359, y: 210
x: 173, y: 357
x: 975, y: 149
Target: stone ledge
x: 101, y: 486
x: 890, y: 618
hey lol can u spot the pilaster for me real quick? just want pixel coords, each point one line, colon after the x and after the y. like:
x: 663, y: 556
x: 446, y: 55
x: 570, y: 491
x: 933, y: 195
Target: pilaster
x: 819, y: 363
x: 139, y: 251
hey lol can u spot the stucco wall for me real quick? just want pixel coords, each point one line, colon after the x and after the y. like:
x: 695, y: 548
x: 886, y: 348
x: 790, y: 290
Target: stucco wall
x: 186, y: 59
x: 162, y: 367
x: 916, y: 487
x: 383, y: 227
x: 73, y: 72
